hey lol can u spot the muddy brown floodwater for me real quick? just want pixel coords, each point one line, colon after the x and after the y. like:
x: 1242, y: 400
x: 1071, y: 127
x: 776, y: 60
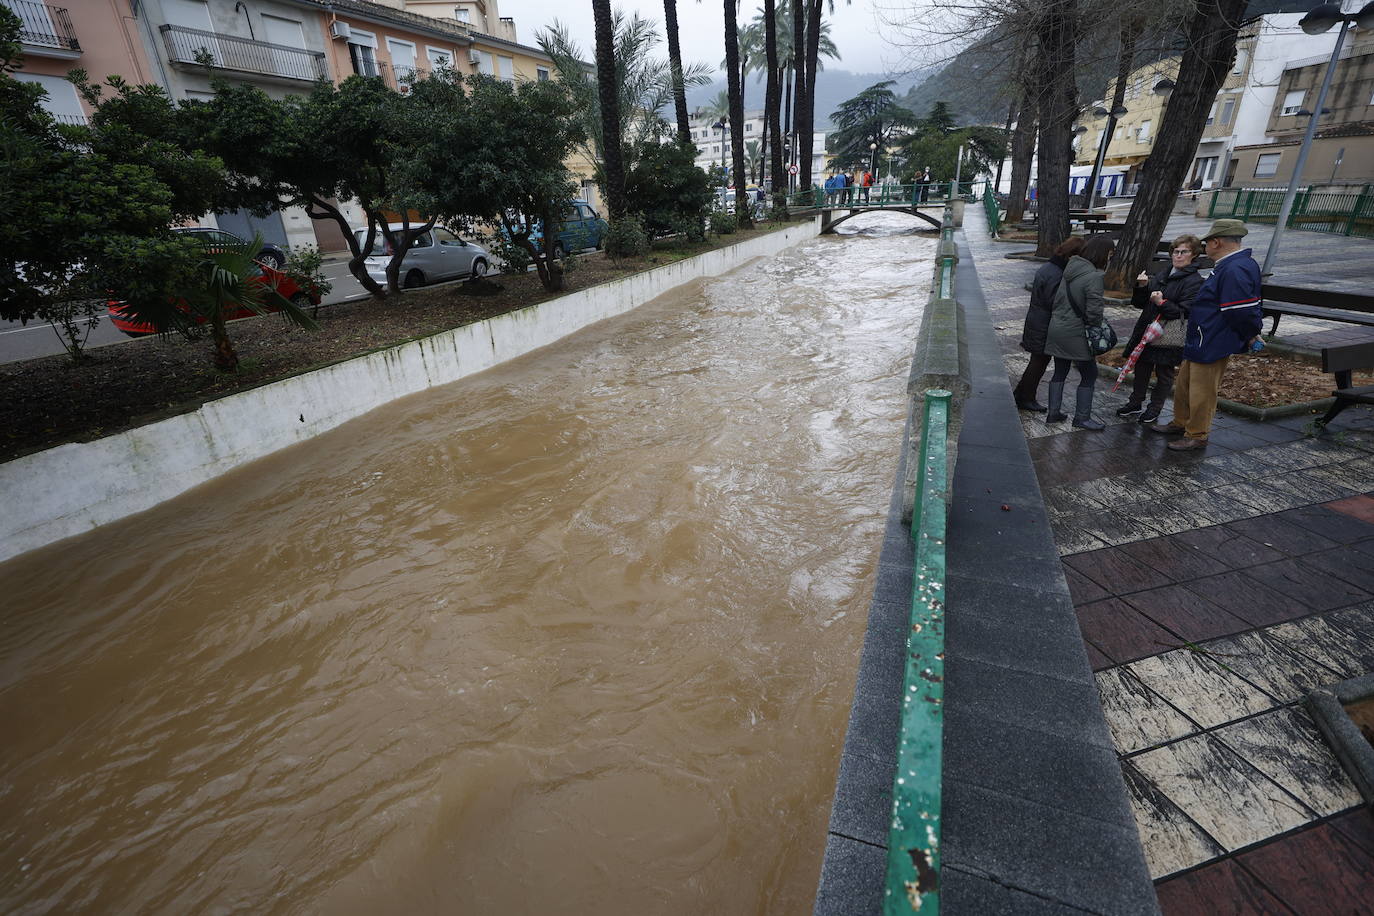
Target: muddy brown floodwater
x: 577, y: 635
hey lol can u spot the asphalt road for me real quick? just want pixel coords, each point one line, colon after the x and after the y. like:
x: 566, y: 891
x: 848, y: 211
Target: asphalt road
x: 20, y: 342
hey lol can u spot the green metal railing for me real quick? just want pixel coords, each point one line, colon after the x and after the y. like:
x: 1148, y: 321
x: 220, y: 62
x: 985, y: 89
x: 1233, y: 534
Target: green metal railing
x: 913, y: 847
x: 991, y: 209
x: 1338, y: 212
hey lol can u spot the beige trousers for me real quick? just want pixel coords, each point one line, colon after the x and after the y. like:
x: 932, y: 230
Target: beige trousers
x: 1195, y: 396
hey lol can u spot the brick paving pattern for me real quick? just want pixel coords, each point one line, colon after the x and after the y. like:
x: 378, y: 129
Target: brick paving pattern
x: 1213, y: 590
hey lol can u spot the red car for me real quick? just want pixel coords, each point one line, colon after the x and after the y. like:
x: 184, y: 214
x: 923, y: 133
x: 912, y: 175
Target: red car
x: 263, y: 274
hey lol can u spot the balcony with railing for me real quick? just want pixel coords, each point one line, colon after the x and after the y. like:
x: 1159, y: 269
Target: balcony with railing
x: 195, y: 47
x: 45, y: 30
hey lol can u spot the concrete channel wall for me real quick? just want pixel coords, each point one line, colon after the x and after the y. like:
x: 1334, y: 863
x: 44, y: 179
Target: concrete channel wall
x: 73, y: 488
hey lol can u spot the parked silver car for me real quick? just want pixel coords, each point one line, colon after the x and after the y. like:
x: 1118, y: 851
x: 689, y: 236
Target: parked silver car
x: 436, y: 255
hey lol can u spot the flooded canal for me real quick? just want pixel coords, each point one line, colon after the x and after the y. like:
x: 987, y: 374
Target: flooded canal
x: 577, y: 635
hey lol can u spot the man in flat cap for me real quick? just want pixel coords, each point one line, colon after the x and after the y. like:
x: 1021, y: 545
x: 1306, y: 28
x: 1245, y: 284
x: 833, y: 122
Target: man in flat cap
x: 1224, y: 320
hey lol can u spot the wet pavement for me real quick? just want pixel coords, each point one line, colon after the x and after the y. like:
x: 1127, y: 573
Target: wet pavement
x: 1213, y: 590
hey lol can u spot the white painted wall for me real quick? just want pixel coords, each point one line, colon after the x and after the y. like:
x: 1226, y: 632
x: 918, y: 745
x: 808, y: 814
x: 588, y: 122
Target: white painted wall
x: 73, y: 488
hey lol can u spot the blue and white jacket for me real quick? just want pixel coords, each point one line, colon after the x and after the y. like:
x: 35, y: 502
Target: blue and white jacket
x: 1226, y: 313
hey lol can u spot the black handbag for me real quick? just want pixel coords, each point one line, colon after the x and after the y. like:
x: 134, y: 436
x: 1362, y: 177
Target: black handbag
x: 1100, y: 336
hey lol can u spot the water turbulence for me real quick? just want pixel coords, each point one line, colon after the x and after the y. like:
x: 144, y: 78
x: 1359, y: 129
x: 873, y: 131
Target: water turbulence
x: 576, y: 635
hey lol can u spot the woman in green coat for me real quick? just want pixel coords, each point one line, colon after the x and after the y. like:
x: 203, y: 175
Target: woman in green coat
x: 1078, y: 305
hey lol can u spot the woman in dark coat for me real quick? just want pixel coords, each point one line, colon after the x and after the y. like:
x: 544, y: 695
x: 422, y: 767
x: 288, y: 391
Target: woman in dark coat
x: 1167, y: 297
x: 1078, y: 305
x: 1043, y: 288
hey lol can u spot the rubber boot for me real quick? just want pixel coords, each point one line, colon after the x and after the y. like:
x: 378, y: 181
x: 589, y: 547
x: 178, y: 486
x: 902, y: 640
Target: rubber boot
x: 1083, y: 415
x: 1056, y: 399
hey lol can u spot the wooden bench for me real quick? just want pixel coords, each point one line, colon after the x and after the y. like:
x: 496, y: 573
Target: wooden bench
x: 1341, y: 361
x: 1325, y: 304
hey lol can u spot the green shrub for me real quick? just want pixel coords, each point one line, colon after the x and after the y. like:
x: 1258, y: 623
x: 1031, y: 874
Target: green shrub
x: 689, y: 230
x: 723, y: 223
x: 303, y: 263
x: 666, y: 188
x: 514, y: 259
x: 626, y: 238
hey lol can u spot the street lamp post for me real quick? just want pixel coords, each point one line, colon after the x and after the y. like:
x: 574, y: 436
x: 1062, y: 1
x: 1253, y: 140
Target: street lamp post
x: 873, y: 157
x: 1316, y: 22
x: 1118, y: 112
x: 720, y: 126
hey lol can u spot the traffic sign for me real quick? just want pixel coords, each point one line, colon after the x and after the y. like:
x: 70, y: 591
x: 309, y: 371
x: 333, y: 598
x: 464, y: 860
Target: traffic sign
x: 792, y: 169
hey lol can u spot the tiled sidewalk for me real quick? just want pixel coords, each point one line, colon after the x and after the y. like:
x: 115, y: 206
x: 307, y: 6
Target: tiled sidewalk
x: 1213, y: 590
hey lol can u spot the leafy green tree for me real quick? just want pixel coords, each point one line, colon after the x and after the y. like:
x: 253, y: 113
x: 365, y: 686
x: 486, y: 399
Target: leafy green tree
x: 667, y: 190
x: 512, y: 173
x: 338, y: 143
x: 81, y: 219
x: 935, y: 143
x: 872, y: 116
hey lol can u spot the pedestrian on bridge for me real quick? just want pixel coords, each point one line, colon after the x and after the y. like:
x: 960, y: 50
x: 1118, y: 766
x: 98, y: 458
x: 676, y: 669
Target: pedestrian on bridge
x: 1078, y: 305
x: 1034, y: 331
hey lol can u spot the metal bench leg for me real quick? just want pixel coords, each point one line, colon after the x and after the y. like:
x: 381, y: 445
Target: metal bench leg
x: 1332, y: 411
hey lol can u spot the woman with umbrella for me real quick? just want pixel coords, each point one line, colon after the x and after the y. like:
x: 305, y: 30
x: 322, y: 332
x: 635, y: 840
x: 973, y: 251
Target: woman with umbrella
x: 1167, y: 298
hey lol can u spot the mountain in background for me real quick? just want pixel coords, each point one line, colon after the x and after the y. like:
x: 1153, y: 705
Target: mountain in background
x: 974, y: 82
x: 833, y: 87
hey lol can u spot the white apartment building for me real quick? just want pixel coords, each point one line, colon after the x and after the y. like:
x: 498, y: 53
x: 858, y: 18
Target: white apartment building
x: 1240, y: 114
x: 711, y: 142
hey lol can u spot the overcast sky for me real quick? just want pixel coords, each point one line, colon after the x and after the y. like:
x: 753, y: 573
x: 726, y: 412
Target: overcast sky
x: 854, y: 27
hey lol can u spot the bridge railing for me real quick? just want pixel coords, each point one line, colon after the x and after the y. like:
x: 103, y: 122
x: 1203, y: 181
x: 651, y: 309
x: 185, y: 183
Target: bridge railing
x: 878, y: 195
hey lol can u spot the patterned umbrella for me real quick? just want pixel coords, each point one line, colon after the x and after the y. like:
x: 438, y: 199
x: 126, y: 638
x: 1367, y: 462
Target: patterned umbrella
x: 1153, y: 332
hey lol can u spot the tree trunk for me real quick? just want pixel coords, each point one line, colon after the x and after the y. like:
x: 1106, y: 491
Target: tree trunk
x: 772, y: 97
x: 613, y: 164
x: 736, y: 90
x: 1006, y: 132
x: 806, y: 120
x: 226, y: 360
x: 1022, y: 151
x: 1055, y: 33
x: 798, y: 95
x: 684, y: 124
x: 355, y: 263
x: 1130, y: 31
x: 1209, y: 51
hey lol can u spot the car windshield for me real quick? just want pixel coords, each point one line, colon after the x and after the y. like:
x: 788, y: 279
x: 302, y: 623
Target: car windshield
x: 377, y: 243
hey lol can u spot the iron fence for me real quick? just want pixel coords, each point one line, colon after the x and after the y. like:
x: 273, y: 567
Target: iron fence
x: 228, y: 52
x: 1337, y: 212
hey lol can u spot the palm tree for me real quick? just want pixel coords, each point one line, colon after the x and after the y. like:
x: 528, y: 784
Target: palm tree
x: 806, y: 99
x: 736, y: 90
x: 784, y: 63
x: 771, y: 123
x: 611, y: 143
x: 643, y: 83
x: 231, y: 280
x: 684, y: 126
x: 718, y: 109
